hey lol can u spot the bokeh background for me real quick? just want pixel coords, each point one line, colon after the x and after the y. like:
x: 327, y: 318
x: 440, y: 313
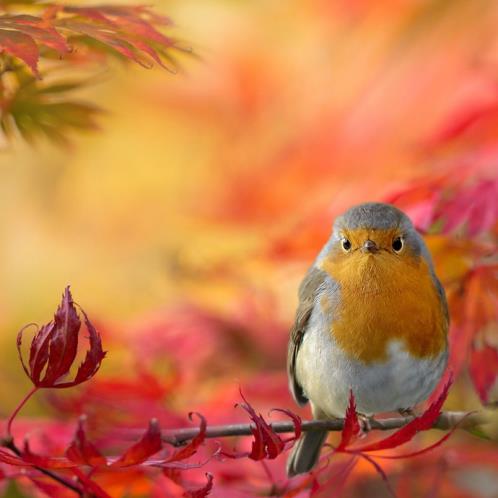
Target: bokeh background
x: 186, y: 222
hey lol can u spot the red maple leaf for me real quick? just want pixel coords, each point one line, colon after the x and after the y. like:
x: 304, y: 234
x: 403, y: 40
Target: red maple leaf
x: 191, y: 448
x: 83, y: 452
x: 90, y: 487
x: 201, y: 492
x: 267, y: 443
x: 54, y: 347
x: 351, y: 424
x: 28, y: 458
x: 149, y: 444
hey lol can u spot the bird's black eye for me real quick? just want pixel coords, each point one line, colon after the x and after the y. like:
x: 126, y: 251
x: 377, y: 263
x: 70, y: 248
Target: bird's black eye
x: 397, y: 244
x: 346, y: 245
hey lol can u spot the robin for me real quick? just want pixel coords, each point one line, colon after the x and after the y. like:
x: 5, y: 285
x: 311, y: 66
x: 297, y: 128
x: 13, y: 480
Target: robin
x: 372, y: 318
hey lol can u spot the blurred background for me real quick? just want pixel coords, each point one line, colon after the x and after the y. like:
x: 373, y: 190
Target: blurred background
x: 185, y: 223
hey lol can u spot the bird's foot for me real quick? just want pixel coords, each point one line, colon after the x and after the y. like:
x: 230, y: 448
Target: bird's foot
x: 365, y: 424
x: 407, y: 412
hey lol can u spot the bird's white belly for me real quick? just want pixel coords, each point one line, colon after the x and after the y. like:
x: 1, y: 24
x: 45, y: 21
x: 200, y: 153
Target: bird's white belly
x: 327, y: 376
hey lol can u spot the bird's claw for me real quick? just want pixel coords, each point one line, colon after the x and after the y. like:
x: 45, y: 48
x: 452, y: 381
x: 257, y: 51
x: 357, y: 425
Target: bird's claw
x: 365, y: 424
x: 407, y: 412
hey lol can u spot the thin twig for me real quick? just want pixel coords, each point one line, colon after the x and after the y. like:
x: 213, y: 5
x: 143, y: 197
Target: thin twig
x: 9, y: 443
x: 445, y: 421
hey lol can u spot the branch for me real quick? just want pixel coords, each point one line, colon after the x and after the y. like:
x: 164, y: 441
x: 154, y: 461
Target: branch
x: 445, y: 421
x: 9, y: 443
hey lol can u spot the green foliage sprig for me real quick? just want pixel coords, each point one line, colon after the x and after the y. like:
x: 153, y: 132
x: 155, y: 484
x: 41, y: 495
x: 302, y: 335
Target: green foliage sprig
x: 37, y: 39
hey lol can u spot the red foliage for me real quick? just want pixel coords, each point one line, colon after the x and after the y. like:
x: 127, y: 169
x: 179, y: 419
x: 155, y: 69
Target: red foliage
x: 20, y: 36
x: 61, y: 336
x: 267, y: 444
x: 149, y: 445
x: 474, y: 310
x: 180, y: 353
x: 55, y: 345
x: 484, y: 370
x: 201, y: 492
x: 83, y: 452
x: 191, y: 448
x: 30, y: 458
x: 351, y: 424
x: 90, y: 487
x: 455, y: 199
x: 128, y: 30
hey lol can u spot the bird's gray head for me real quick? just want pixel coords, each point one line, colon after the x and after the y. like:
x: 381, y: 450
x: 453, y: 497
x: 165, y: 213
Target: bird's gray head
x: 375, y: 227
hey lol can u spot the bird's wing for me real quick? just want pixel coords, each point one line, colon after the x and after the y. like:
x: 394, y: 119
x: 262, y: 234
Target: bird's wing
x: 442, y: 297
x: 307, y: 294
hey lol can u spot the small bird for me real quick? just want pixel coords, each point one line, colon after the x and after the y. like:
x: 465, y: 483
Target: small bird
x: 372, y: 319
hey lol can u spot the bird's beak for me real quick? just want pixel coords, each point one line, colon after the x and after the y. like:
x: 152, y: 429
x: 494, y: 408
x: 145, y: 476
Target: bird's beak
x: 370, y: 247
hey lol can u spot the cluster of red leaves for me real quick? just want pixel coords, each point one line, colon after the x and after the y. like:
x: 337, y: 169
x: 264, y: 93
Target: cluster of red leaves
x: 154, y: 377
x: 84, y: 460
x: 52, y: 353
x: 267, y: 444
x: 129, y: 30
x: 450, y: 201
x: 474, y: 309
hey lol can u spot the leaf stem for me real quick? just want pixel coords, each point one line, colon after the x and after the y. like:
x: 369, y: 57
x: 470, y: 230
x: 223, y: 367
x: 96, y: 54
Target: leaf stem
x: 18, y: 409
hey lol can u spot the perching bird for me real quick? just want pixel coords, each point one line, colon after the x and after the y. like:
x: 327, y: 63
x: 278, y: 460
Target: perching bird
x: 372, y: 318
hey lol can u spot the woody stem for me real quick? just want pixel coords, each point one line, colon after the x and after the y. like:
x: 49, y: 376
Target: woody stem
x: 18, y: 409
x: 445, y: 421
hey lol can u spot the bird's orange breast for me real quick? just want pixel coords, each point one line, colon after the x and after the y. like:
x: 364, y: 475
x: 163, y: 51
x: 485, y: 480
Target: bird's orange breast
x: 382, y: 299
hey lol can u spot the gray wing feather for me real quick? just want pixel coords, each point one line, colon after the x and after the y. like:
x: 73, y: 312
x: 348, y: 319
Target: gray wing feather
x: 427, y: 256
x: 307, y: 294
x: 442, y: 296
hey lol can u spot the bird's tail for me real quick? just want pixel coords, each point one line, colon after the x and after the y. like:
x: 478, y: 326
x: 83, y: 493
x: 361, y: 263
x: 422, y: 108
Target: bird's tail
x: 305, y: 453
